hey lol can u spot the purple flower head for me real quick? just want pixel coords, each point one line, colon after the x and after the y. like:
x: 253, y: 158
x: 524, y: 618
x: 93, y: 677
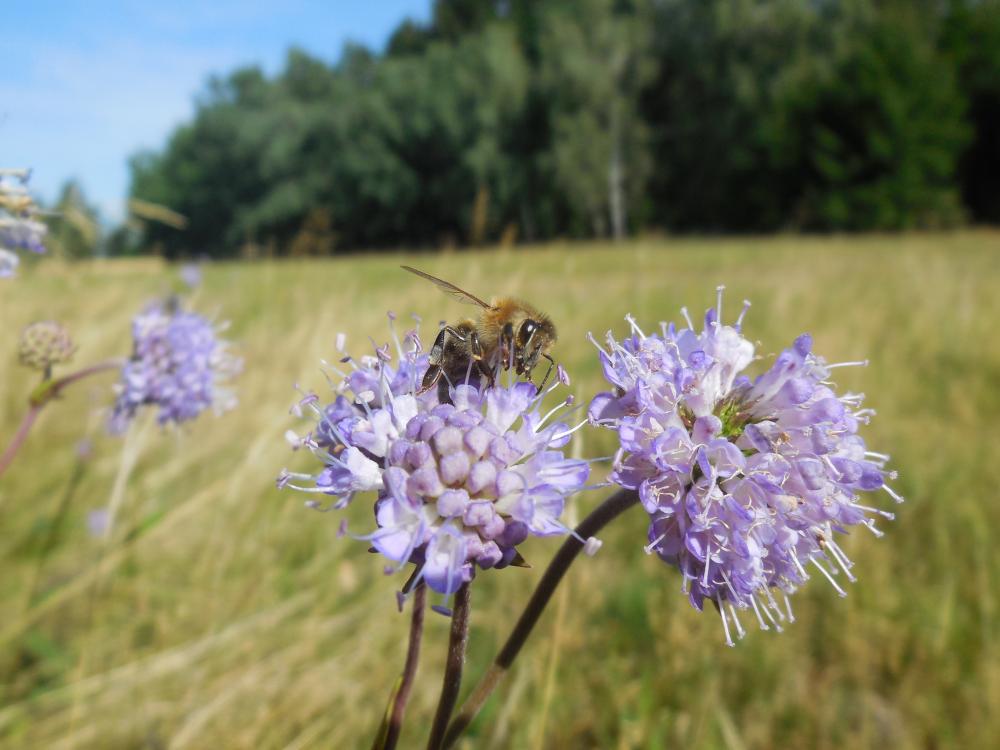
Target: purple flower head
x: 179, y: 364
x: 19, y: 227
x: 458, y: 484
x: 745, y: 481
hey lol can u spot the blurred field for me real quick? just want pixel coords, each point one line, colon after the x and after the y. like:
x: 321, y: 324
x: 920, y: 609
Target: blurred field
x: 224, y: 614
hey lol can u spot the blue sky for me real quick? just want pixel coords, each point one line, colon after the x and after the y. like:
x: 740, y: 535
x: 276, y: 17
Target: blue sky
x: 86, y: 84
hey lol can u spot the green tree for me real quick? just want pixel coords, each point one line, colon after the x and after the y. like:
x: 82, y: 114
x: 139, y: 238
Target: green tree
x: 879, y: 135
x: 718, y: 130
x: 595, y: 63
x: 971, y: 37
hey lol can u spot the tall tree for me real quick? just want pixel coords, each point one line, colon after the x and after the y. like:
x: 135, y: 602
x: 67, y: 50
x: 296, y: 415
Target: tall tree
x: 878, y: 134
x: 595, y: 63
x: 971, y: 37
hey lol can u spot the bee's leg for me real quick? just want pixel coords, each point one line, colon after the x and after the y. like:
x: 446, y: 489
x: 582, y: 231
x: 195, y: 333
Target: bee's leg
x: 444, y: 389
x: 548, y: 372
x: 476, y: 349
x: 507, y: 346
x: 431, y: 377
x: 436, y: 357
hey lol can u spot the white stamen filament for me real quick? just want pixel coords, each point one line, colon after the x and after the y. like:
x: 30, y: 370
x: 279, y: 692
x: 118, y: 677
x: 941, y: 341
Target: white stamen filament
x: 893, y: 494
x: 829, y: 577
x: 743, y: 312
x: 884, y: 513
x: 326, y: 364
x: 858, y: 363
x: 774, y: 605
x: 567, y: 433
x: 648, y: 549
x: 842, y: 560
x: 687, y: 318
x: 870, y: 524
x: 788, y: 607
x: 300, y: 488
x: 767, y: 611
x: 798, y: 565
x: 740, y: 632
x: 725, y: 624
x: 395, y: 338
x: 634, y: 326
x: 756, y: 609
x: 729, y: 586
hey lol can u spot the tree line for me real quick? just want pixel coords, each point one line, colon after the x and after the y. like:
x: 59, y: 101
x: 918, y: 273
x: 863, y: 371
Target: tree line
x: 523, y: 120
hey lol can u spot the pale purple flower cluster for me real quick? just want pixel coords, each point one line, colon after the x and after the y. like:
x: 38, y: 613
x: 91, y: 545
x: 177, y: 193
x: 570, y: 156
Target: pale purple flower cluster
x: 458, y: 484
x: 179, y: 364
x: 745, y: 481
x: 19, y: 228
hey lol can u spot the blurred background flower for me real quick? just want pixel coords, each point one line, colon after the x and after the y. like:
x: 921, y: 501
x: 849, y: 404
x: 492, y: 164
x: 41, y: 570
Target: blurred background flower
x: 179, y: 365
x: 20, y: 228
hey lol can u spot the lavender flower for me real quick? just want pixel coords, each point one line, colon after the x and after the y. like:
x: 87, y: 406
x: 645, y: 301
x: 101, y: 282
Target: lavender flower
x: 179, y: 364
x: 457, y: 485
x: 745, y: 481
x: 19, y: 229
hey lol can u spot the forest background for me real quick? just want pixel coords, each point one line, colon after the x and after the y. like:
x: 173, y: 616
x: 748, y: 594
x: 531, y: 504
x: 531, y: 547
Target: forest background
x: 523, y: 121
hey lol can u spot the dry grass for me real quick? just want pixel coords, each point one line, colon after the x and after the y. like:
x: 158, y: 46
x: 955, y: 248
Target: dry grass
x: 223, y: 614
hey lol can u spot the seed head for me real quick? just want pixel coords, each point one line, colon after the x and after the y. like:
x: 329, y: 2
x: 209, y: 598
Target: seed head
x: 44, y: 344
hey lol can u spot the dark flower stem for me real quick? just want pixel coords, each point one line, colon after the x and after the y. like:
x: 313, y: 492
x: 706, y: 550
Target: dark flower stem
x: 394, y: 721
x: 453, y: 667
x: 606, y: 512
x: 47, y: 391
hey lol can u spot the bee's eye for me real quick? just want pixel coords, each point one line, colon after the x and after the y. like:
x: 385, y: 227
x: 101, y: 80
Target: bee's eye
x: 525, y: 332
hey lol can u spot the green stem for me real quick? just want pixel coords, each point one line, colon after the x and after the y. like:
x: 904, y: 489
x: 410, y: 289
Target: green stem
x: 50, y: 389
x: 45, y: 392
x: 601, y: 516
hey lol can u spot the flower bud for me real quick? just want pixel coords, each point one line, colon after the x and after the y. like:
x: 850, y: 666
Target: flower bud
x: 44, y: 344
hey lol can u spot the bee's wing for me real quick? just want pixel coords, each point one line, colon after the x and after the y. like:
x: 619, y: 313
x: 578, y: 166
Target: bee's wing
x: 448, y: 288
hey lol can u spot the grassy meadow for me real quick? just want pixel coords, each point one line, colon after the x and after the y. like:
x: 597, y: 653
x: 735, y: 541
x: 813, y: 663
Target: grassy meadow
x: 221, y: 613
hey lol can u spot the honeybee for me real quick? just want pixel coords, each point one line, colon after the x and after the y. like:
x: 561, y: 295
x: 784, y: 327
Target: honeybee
x: 509, y: 333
